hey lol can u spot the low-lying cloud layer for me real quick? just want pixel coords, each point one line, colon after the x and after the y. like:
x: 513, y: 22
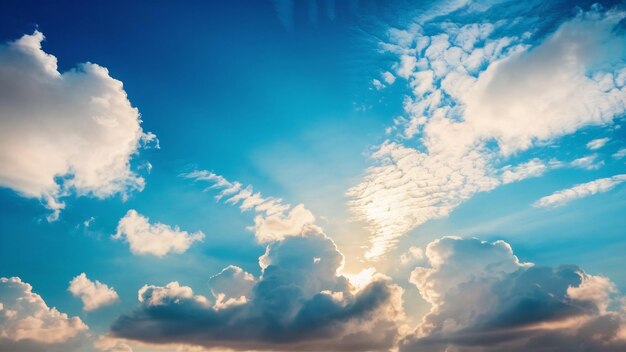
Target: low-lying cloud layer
x: 484, y: 299
x: 298, y: 303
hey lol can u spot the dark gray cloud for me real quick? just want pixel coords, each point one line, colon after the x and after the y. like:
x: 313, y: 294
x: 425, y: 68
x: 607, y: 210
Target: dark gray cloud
x: 485, y: 299
x: 299, y: 303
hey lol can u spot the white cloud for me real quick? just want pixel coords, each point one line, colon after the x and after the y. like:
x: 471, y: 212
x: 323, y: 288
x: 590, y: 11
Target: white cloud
x: 593, y: 288
x: 531, y: 168
x: 545, y: 93
x: 231, y: 286
x: 620, y: 154
x: 406, y: 66
x: 525, y: 97
x: 388, y: 77
x: 588, y: 162
x: 275, y: 220
x: 28, y: 324
x: 597, y: 143
x: 484, y: 298
x: 412, y: 255
x: 583, y: 190
x: 154, y: 239
x: 377, y: 84
x: 109, y: 344
x: 409, y: 188
x: 173, y: 292
x: 63, y: 133
x: 93, y: 294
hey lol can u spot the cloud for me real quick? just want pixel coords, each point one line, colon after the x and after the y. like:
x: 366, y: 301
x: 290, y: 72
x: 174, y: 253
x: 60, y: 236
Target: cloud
x: 173, y: 292
x: 63, y: 133
x: 388, y: 77
x: 587, y: 162
x: 28, y: 324
x: 377, y: 84
x: 154, y: 239
x: 275, y: 220
x: 108, y: 344
x: 231, y: 286
x: 412, y: 255
x: 620, y: 154
x: 298, y: 303
x: 579, y: 191
x: 597, y: 143
x: 485, y: 299
x: 481, y: 96
x: 93, y: 294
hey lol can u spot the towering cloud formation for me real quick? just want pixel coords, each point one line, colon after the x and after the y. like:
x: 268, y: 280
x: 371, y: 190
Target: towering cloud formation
x: 62, y: 133
x: 479, y: 96
x: 28, y: 324
x: 483, y: 298
x: 298, y: 303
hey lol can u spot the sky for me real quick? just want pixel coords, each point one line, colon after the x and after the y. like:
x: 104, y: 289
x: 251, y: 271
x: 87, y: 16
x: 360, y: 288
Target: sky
x: 314, y: 175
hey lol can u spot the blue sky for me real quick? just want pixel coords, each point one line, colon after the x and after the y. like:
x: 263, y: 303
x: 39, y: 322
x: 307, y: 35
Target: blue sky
x: 282, y: 175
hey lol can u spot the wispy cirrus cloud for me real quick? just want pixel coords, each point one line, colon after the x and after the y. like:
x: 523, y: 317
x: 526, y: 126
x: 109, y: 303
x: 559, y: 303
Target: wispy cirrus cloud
x: 275, y: 219
x: 597, y: 143
x: 579, y: 191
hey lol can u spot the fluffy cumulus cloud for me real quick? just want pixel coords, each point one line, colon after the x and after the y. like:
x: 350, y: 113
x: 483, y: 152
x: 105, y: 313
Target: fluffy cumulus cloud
x: 485, y: 299
x: 93, y: 294
x: 62, y: 133
x: 156, y: 239
x: 482, y: 94
x: 298, y: 303
x: 275, y: 220
x: 582, y: 190
x: 28, y: 324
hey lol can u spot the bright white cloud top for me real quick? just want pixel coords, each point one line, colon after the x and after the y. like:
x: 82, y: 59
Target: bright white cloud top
x: 28, y: 324
x: 507, y: 97
x: 93, y: 294
x: 582, y: 190
x: 155, y: 239
x: 82, y: 130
